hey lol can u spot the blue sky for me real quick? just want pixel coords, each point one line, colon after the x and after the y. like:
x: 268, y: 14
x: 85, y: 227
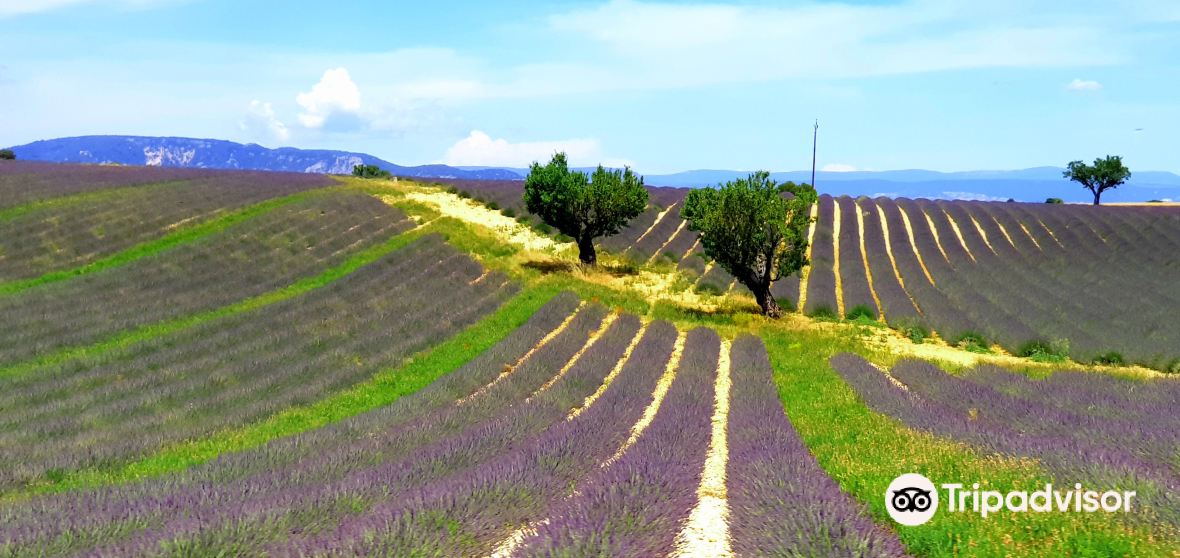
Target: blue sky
x: 664, y: 86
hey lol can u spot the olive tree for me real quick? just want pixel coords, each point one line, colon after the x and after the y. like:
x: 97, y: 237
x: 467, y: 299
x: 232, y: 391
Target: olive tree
x: 755, y: 228
x: 583, y: 207
x: 1106, y: 173
x: 7, y: 154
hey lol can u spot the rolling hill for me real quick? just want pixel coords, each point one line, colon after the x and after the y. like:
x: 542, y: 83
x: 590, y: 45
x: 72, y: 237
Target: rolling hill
x: 220, y: 154
x: 202, y: 362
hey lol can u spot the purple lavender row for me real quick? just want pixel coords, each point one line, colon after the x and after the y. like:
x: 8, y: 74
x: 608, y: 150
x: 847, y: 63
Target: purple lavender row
x: 68, y: 235
x: 151, y: 402
x: 781, y: 502
x: 1066, y: 458
x: 482, y: 506
x: 273, y: 512
x: 933, y: 416
x: 854, y: 280
x: 1099, y: 395
x: 23, y: 182
x: 81, y: 381
x: 637, y: 505
x: 481, y: 455
x: 248, y: 259
x: 360, y: 464
x: 1138, y: 440
x: 39, y: 521
x: 821, y: 282
x: 352, y: 464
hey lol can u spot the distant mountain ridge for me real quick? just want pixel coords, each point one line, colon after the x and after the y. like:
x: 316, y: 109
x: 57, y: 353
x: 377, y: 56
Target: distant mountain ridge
x: 221, y: 154
x: 1034, y: 184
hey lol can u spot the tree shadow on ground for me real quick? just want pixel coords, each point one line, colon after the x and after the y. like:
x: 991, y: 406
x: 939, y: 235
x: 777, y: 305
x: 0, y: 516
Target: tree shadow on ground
x: 563, y: 266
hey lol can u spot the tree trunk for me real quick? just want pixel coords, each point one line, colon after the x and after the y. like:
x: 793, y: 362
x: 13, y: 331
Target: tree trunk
x: 1097, y: 196
x: 766, y: 301
x: 586, y: 251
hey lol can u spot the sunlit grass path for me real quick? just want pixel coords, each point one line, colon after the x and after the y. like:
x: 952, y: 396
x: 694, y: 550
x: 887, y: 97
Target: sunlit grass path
x: 864, y: 451
x: 415, y: 373
x: 159, y: 329
x: 177, y: 237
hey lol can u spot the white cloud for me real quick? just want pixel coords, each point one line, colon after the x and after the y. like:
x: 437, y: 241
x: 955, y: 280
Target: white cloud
x: 838, y: 167
x: 261, y: 122
x: 480, y: 149
x: 1079, y: 84
x: 656, y: 44
x: 334, y: 96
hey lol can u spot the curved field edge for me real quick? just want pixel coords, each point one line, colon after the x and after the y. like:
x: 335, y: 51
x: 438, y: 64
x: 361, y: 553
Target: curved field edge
x: 864, y: 451
x: 388, y: 386
x: 151, y: 331
x: 182, y: 235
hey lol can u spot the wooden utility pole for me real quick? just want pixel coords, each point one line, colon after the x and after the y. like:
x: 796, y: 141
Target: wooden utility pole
x: 814, y: 138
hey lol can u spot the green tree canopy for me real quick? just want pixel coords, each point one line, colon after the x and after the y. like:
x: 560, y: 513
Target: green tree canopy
x: 7, y: 154
x: 1106, y: 173
x: 755, y: 228
x: 370, y: 171
x: 584, y: 207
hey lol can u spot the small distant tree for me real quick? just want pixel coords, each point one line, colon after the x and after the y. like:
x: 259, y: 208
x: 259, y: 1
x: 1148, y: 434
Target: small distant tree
x: 370, y: 171
x: 1054, y: 200
x: 584, y: 207
x: 1106, y: 173
x: 755, y: 228
x: 7, y: 155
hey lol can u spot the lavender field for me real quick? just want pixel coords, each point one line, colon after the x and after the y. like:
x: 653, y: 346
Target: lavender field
x: 1096, y: 283
x: 320, y: 371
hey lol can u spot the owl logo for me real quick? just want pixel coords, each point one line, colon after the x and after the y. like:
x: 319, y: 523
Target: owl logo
x: 911, y: 499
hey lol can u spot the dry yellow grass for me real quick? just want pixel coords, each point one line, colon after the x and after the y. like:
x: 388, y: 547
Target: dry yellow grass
x: 937, y: 238
x: 1004, y: 231
x: 1031, y: 237
x: 610, y: 377
x: 472, y: 212
x: 664, y: 246
x: 893, y: 261
x: 508, y: 370
x: 864, y: 256
x: 983, y: 234
x: 706, y: 534
x: 657, y: 400
x: 909, y: 231
x: 836, y: 259
x: 590, y: 342
x: 688, y: 252
x: 1050, y: 231
x: 659, y: 217
x: 805, y: 273
x: 958, y: 234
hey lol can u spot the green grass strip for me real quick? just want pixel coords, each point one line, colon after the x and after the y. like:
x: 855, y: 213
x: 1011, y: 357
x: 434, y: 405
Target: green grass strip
x: 415, y: 373
x: 168, y: 241
x: 143, y: 333
x: 864, y: 451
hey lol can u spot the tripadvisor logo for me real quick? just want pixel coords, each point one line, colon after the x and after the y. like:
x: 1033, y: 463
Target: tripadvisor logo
x: 912, y: 500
